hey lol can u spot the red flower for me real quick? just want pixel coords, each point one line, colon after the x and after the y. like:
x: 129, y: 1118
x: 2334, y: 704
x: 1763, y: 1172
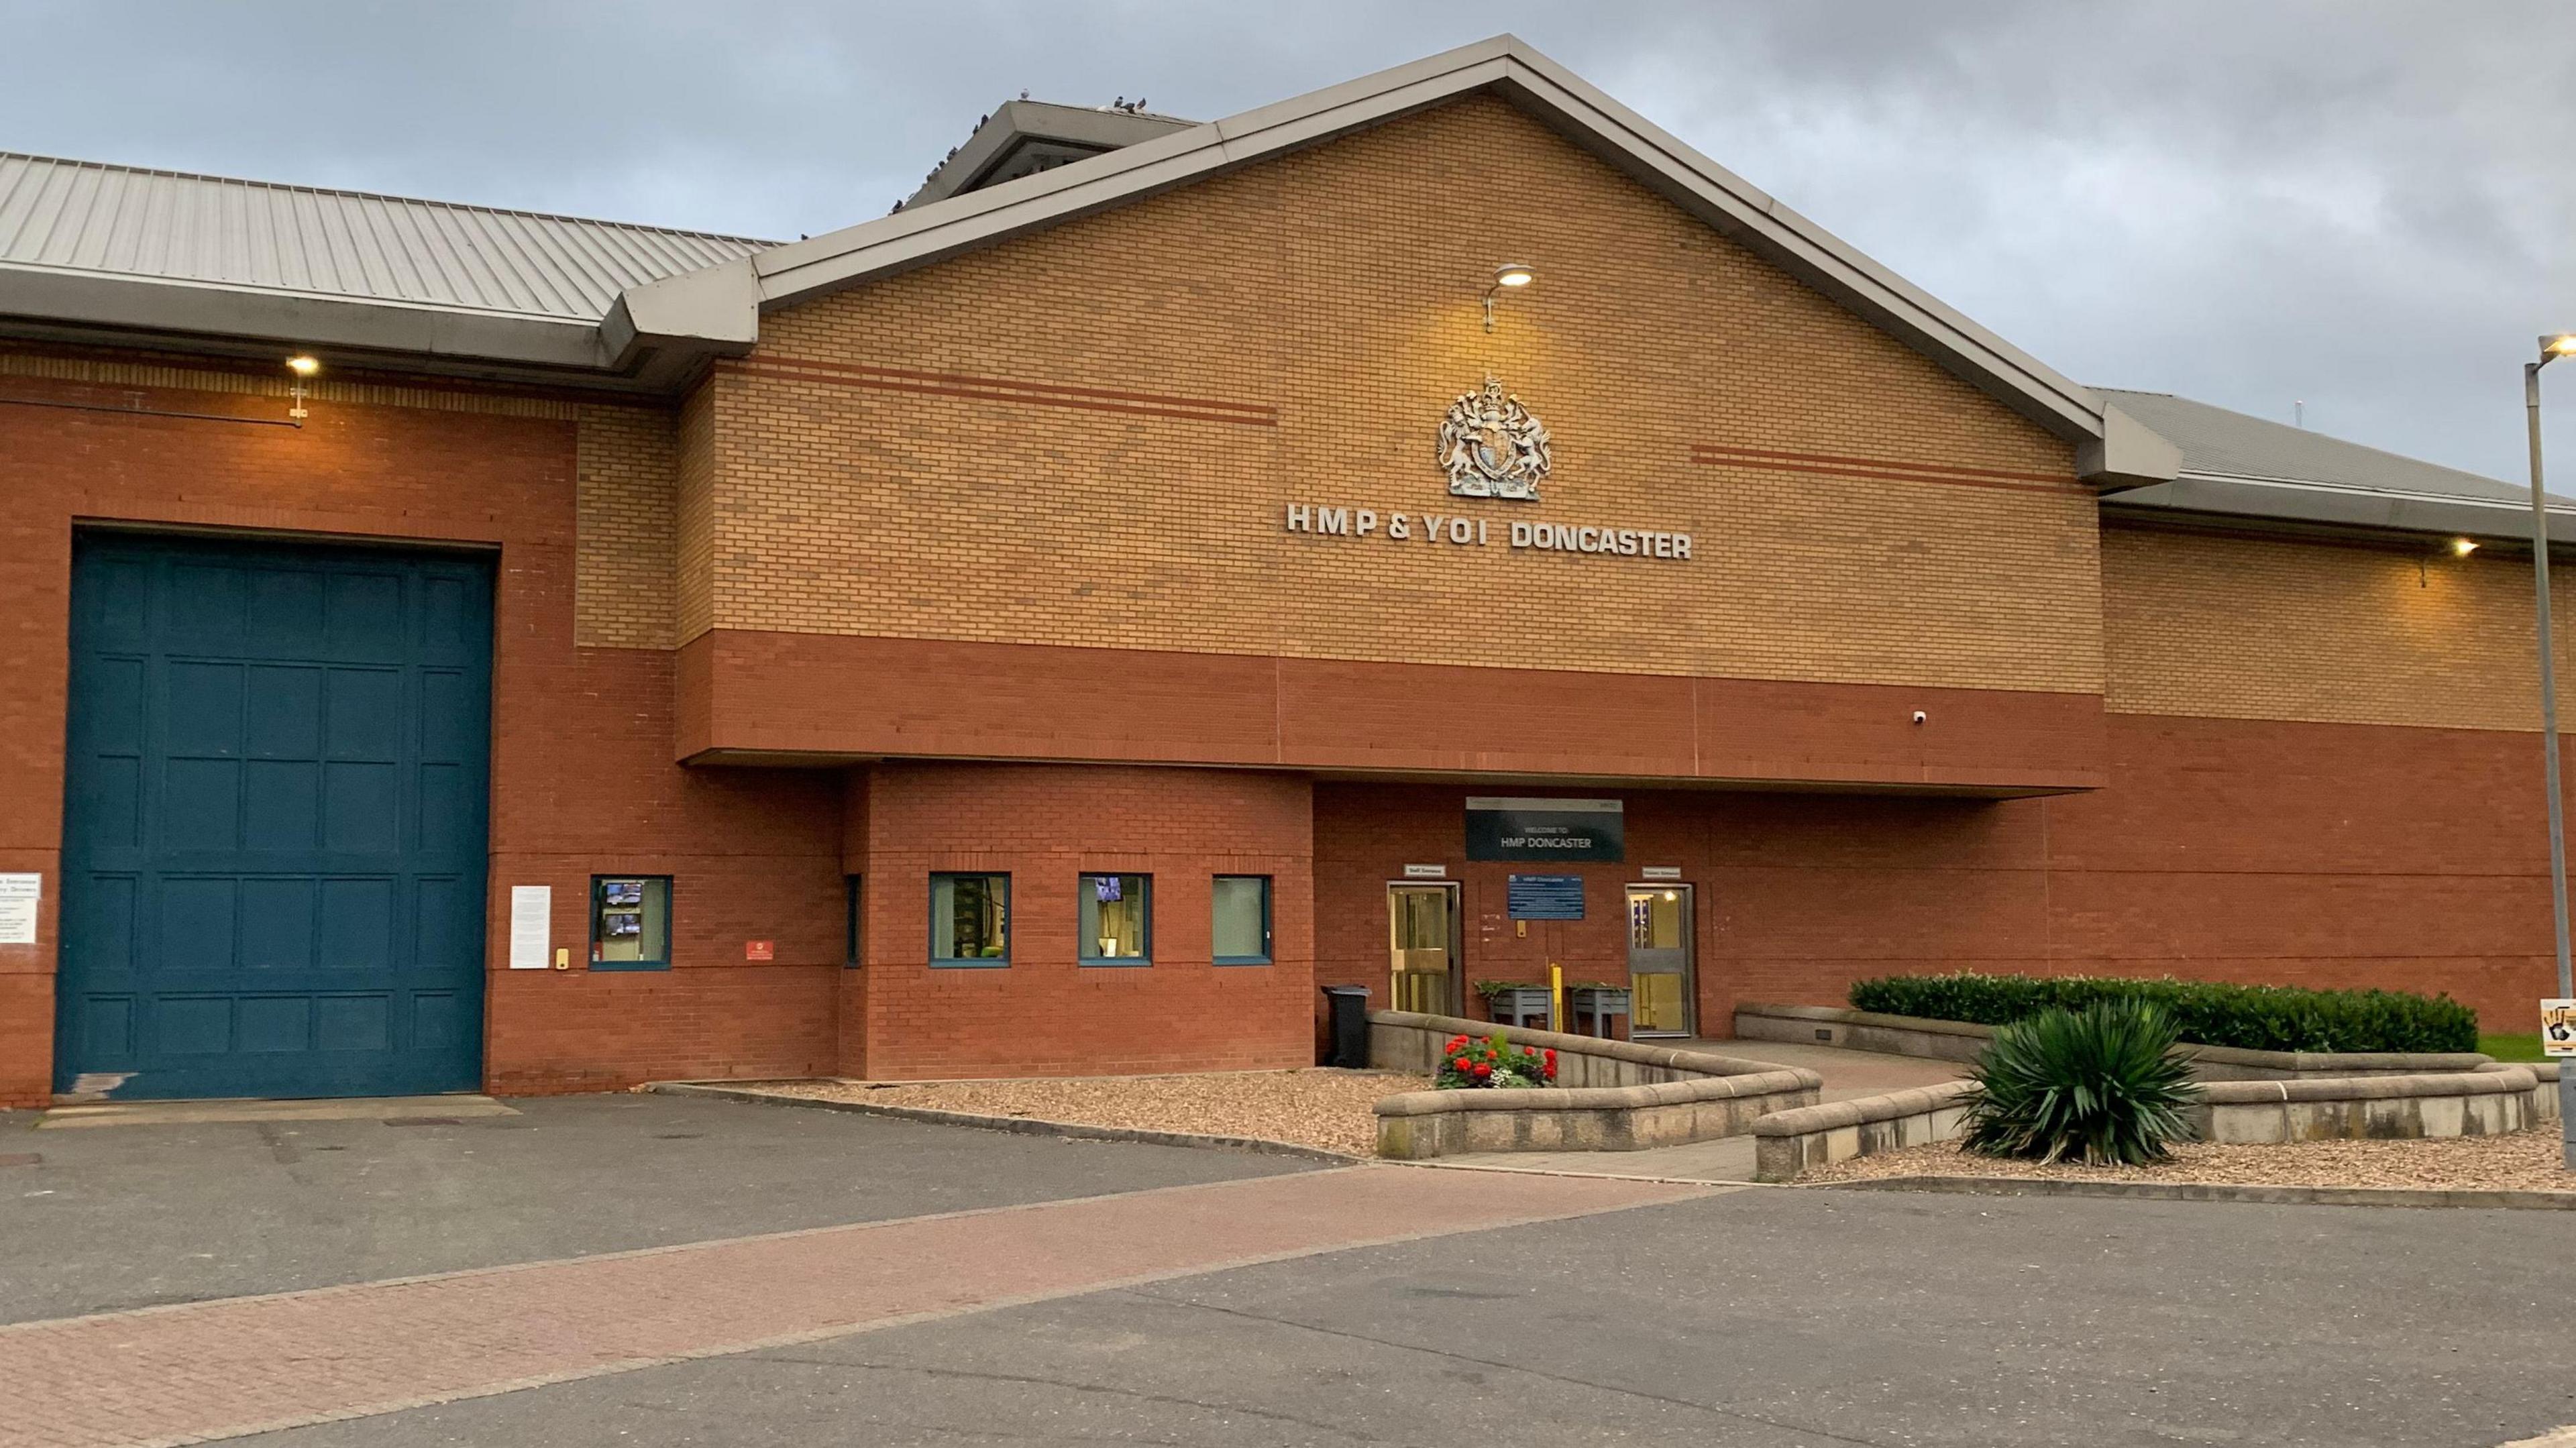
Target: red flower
x: 1484, y: 1070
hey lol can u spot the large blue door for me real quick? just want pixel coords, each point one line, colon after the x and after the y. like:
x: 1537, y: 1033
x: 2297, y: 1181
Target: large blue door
x: 273, y: 844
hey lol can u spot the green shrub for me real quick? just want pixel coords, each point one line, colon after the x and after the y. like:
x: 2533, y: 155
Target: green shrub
x: 2100, y: 1085
x: 2209, y: 1013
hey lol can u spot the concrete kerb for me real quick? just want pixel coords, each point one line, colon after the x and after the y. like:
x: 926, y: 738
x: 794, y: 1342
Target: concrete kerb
x: 1022, y: 1125
x: 2499, y: 1200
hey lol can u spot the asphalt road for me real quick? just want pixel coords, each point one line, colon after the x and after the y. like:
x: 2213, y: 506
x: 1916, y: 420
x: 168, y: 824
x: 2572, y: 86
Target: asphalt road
x: 1761, y: 1317
x: 133, y: 1216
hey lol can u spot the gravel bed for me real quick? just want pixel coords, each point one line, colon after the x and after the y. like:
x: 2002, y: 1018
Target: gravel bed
x: 1314, y: 1107
x: 2520, y: 1161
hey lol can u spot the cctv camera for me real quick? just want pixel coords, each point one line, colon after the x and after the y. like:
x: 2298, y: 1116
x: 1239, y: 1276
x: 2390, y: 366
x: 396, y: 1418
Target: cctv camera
x: 1921, y: 717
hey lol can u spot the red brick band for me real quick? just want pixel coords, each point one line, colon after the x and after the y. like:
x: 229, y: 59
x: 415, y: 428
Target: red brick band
x: 1832, y: 465
x: 996, y: 389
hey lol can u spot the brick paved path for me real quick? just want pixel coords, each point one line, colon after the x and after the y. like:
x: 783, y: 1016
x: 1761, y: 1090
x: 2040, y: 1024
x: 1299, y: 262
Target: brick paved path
x: 196, y: 1371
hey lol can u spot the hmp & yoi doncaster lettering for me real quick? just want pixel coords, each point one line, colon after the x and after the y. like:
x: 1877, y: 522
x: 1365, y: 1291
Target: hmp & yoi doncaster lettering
x: 1328, y: 521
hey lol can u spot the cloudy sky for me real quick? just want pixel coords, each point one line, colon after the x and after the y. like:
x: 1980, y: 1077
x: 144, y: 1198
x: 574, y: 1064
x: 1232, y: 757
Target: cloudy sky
x: 2368, y: 207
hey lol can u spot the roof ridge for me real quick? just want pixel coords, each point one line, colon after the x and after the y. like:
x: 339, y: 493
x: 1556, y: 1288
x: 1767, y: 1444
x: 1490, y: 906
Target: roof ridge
x: 179, y: 175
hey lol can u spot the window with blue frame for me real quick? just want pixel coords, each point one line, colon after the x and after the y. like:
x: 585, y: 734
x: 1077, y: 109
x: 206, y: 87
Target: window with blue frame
x: 970, y: 920
x: 1240, y: 931
x: 630, y: 922
x: 1117, y: 919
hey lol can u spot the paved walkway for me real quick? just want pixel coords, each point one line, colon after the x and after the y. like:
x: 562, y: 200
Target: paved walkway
x: 198, y: 1371
x: 1847, y: 1073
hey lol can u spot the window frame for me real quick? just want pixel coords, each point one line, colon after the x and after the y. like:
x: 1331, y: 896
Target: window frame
x: 1082, y: 955
x: 1270, y: 947
x: 1010, y: 926
x: 854, y: 899
x: 670, y: 923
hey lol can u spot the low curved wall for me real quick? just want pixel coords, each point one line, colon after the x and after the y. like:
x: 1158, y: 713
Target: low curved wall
x: 2455, y: 1103
x: 2472, y: 1103
x: 1789, y: 1142
x: 1609, y: 1096
x: 1961, y: 1041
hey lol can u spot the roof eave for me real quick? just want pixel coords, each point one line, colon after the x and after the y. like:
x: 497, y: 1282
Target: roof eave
x: 294, y: 321
x: 2325, y: 505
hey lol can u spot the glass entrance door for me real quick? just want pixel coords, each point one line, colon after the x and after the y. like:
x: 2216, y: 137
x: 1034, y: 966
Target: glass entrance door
x: 1422, y: 936
x: 1659, y: 960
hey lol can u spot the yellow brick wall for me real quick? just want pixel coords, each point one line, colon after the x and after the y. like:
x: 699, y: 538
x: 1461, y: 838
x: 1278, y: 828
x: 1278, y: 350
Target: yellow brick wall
x: 694, y: 512
x: 1339, y: 287
x: 2270, y: 628
x: 626, y: 569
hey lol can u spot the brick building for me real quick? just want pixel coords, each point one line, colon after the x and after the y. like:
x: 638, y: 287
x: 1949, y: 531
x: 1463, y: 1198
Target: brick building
x: 1057, y: 626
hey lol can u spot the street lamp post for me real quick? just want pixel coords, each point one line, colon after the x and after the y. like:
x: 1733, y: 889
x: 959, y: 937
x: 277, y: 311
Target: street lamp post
x: 2551, y: 349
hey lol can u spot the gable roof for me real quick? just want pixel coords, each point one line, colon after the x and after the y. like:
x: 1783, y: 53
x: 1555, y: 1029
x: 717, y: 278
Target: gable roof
x: 2236, y: 464
x: 1026, y: 136
x: 719, y: 308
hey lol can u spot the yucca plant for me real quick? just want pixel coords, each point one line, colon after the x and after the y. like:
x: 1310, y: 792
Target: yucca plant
x: 2099, y: 1085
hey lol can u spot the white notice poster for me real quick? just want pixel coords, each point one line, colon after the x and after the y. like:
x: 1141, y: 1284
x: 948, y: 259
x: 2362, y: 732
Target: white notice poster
x: 532, y: 909
x: 19, y: 895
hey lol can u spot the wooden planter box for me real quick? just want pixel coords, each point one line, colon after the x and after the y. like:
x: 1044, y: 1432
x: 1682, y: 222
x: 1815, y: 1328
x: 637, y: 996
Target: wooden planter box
x: 1598, y: 1005
x: 1520, y: 1006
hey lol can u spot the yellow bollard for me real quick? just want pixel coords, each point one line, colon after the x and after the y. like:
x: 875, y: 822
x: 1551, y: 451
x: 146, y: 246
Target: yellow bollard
x: 1555, y: 996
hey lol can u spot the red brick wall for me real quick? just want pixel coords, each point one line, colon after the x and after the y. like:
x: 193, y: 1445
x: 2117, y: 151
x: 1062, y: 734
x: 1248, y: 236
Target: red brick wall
x: 2284, y: 853
x: 748, y: 693
x: 1044, y: 1014
x: 582, y: 776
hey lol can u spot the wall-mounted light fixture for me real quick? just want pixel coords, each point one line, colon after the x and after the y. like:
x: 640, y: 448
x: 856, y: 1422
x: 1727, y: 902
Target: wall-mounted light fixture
x: 1512, y: 275
x: 2457, y: 548
x: 303, y: 366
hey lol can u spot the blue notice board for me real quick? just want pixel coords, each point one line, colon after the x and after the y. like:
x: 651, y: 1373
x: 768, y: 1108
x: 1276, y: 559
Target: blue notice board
x: 1546, y: 897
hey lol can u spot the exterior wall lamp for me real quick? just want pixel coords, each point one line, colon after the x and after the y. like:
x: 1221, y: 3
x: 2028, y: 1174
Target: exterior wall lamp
x: 1509, y: 274
x: 2456, y: 548
x: 303, y: 366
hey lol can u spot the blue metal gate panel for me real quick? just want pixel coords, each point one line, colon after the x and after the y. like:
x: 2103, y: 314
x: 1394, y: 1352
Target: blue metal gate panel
x: 274, y: 832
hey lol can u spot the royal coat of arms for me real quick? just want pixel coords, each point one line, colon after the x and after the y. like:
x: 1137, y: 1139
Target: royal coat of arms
x: 1492, y: 446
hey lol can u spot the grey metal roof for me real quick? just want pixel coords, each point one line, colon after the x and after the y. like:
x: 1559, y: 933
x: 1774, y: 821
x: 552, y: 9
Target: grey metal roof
x: 2244, y: 466
x: 2217, y: 441
x: 60, y: 216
